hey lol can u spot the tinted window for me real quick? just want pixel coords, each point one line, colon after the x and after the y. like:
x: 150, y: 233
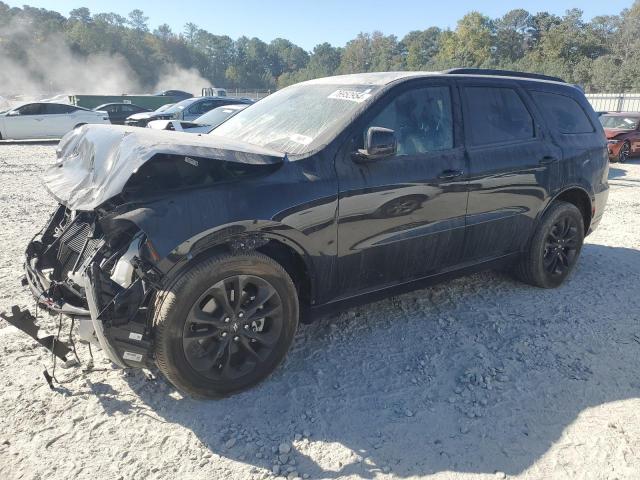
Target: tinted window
x: 563, y: 113
x: 108, y: 108
x: 31, y: 109
x: 421, y: 119
x: 496, y: 115
x: 57, y: 108
x: 130, y: 108
x: 204, y: 106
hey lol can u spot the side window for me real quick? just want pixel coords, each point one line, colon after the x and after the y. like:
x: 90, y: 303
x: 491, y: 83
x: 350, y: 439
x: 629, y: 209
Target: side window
x: 563, y: 113
x: 57, y: 108
x: 496, y: 115
x: 206, y: 106
x: 421, y: 119
x: 31, y: 109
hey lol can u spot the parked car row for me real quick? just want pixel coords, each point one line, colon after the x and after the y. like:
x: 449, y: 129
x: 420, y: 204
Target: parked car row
x: 47, y: 120
x: 203, y: 124
x: 188, y: 110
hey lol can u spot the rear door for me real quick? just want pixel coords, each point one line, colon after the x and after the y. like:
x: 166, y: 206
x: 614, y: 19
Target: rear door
x: 59, y: 119
x: 512, y: 167
x: 402, y: 217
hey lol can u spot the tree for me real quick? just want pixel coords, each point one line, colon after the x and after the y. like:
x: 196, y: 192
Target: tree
x: 421, y: 47
x: 138, y: 21
x: 470, y: 44
x: 163, y: 32
x: 190, y: 31
x: 82, y: 15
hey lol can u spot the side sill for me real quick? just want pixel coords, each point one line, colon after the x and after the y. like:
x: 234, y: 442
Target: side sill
x: 313, y: 313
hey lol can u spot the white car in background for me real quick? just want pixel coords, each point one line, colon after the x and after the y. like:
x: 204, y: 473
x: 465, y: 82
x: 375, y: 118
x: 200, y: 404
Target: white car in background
x: 40, y: 120
x: 203, y: 124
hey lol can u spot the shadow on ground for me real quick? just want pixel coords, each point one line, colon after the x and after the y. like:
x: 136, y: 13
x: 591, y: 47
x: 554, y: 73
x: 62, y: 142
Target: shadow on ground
x: 481, y: 374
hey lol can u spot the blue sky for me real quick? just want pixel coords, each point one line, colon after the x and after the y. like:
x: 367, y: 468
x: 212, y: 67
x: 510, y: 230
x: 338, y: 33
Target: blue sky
x: 308, y: 23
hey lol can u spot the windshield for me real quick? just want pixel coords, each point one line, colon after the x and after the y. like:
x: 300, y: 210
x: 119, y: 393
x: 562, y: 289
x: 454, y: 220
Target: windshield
x: 619, y: 122
x: 164, y: 107
x: 297, y: 119
x: 218, y: 115
x: 178, y: 107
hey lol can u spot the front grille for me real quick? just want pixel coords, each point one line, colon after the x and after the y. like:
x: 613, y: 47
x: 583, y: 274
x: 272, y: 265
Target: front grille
x: 75, y: 247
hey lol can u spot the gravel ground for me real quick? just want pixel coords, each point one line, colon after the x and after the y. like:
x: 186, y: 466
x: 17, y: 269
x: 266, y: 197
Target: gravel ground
x: 481, y: 377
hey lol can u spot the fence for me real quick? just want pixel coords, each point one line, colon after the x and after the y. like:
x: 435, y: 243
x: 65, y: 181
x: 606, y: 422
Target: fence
x: 252, y: 94
x: 615, y: 102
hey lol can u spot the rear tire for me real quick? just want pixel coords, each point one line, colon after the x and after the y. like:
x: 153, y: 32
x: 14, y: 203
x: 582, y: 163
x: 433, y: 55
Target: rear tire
x: 225, y: 324
x: 554, y: 248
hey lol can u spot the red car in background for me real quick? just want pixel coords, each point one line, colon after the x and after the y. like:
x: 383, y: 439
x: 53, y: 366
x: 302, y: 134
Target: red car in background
x: 623, y: 134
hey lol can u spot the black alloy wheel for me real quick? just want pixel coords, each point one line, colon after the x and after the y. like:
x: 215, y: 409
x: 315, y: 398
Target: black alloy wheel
x: 625, y: 151
x: 562, y: 246
x: 554, y: 247
x: 225, y: 323
x: 233, y: 327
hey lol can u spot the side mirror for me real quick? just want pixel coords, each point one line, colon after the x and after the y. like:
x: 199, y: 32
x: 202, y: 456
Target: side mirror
x: 13, y: 113
x: 379, y: 143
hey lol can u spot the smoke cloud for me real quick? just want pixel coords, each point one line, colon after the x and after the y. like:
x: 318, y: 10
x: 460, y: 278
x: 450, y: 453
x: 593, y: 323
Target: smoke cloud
x: 50, y: 68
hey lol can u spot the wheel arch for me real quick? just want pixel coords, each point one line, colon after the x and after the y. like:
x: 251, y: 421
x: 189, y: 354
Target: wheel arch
x: 578, y: 196
x: 295, y: 259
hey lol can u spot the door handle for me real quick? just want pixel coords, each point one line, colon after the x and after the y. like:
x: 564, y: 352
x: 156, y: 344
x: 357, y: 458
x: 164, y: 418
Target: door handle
x: 450, y: 174
x: 547, y: 159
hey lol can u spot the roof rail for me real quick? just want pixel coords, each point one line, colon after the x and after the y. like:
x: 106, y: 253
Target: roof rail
x: 502, y: 73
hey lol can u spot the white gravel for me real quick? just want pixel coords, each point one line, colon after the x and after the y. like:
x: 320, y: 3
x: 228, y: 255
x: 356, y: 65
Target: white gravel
x: 481, y: 377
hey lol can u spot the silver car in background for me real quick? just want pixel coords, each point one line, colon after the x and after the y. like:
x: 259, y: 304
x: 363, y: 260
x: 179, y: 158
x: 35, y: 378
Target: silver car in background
x: 203, y: 124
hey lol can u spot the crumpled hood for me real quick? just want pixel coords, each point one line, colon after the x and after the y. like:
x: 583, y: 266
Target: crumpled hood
x: 96, y: 161
x: 614, y: 132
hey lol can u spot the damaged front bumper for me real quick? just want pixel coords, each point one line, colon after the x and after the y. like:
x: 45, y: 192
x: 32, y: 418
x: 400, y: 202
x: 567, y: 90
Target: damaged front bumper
x: 72, y: 271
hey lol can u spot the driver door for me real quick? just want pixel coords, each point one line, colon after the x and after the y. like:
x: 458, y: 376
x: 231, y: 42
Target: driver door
x: 403, y: 217
x: 27, y: 123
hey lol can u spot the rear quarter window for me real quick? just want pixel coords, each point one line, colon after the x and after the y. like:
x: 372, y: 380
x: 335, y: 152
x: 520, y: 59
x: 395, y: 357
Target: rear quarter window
x: 563, y: 113
x: 496, y: 115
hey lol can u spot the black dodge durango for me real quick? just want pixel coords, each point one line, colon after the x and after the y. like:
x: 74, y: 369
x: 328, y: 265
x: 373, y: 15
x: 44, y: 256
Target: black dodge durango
x: 202, y: 254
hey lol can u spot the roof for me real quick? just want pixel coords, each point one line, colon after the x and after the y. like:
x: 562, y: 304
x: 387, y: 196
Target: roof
x: 384, y: 78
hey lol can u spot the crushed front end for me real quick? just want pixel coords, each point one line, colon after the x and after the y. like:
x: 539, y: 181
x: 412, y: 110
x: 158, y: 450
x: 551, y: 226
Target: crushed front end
x: 88, y: 267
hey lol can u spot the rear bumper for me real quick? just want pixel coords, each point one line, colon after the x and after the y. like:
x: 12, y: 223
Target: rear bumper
x: 599, y: 206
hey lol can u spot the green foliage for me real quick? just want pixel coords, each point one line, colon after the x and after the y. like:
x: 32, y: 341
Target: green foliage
x: 600, y: 54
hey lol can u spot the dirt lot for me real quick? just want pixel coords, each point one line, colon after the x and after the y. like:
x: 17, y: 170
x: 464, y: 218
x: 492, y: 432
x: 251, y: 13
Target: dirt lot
x: 481, y: 377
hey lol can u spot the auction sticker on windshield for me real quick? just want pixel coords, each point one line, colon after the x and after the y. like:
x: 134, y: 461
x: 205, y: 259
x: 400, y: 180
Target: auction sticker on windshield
x: 351, y: 95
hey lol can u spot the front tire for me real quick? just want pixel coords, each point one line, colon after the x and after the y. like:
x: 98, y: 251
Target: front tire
x: 554, y: 248
x: 625, y: 152
x: 225, y: 324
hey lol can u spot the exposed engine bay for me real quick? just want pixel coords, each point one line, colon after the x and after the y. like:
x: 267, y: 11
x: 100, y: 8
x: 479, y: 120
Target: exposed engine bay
x: 72, y: 267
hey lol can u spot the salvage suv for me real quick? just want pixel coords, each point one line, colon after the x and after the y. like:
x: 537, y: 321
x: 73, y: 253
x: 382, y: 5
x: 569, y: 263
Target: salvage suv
x: 201, y: 254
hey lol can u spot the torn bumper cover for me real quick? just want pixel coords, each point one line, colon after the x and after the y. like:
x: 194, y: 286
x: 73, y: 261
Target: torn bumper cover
x: 71, y: 271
